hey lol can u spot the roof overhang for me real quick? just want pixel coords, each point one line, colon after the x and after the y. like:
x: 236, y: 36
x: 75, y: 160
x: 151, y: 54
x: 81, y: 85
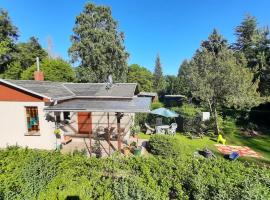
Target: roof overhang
x: 134, y: 105
x: 24, y: 89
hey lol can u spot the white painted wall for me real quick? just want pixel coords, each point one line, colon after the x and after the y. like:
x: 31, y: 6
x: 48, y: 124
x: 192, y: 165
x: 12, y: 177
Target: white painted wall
x: 13, y: 126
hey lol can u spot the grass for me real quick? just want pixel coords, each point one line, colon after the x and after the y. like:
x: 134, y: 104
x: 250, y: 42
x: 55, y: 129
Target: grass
x: 260, y: 144
x: 233, y: 136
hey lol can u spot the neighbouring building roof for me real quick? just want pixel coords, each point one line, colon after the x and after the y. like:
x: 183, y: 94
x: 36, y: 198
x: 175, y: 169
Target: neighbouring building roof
x: 148, y: 94
x: 59, y: 91
x: 175, y: 96
x: 136, y: 104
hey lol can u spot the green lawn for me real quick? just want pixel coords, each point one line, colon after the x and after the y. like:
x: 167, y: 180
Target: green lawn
x: 260, y: 144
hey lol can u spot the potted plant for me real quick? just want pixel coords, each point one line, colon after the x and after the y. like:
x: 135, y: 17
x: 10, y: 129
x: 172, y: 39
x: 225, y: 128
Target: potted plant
x: 57, y: 133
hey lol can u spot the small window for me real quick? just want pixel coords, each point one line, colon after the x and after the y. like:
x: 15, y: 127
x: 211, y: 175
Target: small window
x: 32, y: 120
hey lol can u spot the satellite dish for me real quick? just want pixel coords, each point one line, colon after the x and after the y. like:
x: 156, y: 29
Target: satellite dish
x: 110, y: 79
x: 109, y: 82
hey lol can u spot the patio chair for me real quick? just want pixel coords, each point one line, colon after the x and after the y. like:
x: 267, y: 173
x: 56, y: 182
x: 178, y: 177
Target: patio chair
x: 149, y: 129
x: 172, y: 129
x: 158, y: 121
x: 221, y: 139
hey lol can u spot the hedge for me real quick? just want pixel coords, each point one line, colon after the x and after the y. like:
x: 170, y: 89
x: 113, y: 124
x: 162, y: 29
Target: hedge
x: 33, y: 174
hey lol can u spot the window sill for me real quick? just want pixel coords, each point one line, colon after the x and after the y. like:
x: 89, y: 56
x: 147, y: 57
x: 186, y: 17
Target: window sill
x: 32, y: 134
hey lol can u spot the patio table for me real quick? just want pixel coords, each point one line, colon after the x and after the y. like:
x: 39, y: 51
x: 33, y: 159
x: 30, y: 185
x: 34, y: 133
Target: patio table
x: 162, y: 129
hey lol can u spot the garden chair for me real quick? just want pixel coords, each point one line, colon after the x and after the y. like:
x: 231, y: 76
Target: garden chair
x: 221, y: 139
x: 149, y: 129
x: 158, y: 121
x: 64, y: 138
x: 172, y: 129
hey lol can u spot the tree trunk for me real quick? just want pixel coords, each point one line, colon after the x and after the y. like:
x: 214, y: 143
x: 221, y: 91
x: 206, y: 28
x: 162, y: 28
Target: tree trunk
x: 216, y: 121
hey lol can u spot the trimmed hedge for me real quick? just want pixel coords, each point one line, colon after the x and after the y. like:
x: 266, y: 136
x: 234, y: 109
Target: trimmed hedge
x: 32, y: 174
x: 164, y: 145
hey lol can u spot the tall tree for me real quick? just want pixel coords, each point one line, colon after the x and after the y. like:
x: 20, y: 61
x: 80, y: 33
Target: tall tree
x: 142, y: 76
x: 54, y: 70
x: 98, y: 45
x: 158, y: 79
x: 8, y: 36
x: 254, y: 42
x: 173, y: 85
x: 183, y: 76
x: 218, y: 78
x: 28, y: 51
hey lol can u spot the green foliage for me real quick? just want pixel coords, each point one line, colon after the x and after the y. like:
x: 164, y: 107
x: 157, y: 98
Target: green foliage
x: 142, y: 76
x: 254, y: 43
x: 13, y: 71
x: 54, y: 70
x: 98, y: 46
x: 164, y: 146
x: 184, y: 82
x: 140, y: 119
x: 188, y: 110
x: 156, y: 105
x: 31, y: 174
x: 8, y: 37
x: 173, y: 85
x: 159, y: 83
x: 27, y: 52
x: 218, y: 78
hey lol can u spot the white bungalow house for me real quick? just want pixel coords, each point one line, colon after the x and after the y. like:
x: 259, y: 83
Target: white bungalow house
x: 32, y: 109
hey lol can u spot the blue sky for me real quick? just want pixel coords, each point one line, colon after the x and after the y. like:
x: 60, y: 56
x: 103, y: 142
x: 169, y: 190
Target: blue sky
x: 172, y: 28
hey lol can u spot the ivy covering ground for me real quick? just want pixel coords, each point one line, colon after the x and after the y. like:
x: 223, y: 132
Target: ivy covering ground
x: 32, y: 174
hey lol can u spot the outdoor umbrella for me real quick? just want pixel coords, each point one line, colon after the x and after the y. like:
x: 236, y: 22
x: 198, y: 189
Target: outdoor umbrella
x: 164, y: 112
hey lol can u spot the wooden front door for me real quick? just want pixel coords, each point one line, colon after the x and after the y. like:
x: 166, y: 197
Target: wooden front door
x: 84, y: 123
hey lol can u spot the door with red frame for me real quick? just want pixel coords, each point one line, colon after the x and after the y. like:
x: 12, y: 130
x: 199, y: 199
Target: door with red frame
x: 84, y: 122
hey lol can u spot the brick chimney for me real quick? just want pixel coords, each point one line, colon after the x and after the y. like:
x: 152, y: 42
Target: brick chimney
x: 38, y: 75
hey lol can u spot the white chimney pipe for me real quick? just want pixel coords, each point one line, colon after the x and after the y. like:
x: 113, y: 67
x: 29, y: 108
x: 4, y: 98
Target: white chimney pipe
x: 37, y: 59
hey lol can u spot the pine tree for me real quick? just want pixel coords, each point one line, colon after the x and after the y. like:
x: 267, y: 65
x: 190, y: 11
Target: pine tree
x: 254, y: 43
x: 158, y: 79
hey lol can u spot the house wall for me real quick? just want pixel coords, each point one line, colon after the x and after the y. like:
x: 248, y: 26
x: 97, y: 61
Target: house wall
x: 9, y: 93
x: 13, y: 126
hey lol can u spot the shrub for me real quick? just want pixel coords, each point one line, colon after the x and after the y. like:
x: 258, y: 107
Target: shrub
x: 164, y: 145
x: 31, y: 174
x: 156, y: 105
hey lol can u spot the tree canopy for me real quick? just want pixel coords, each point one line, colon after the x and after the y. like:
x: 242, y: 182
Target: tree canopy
x: 8, y: 37
x: 218, y: 78
x: 98, y: 46
x: 54, y: 70
x: 254, y: 43
x: 142, y: 76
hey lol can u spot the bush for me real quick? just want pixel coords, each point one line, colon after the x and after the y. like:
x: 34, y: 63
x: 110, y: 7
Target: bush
x: 31, y: 174
x: 156, y: 105
x: 164, y: 145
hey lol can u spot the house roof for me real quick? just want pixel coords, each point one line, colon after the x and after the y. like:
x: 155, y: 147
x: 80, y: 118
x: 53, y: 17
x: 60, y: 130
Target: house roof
x: 60, y: 91
x: 136, y: 104
x: 100, y: 89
